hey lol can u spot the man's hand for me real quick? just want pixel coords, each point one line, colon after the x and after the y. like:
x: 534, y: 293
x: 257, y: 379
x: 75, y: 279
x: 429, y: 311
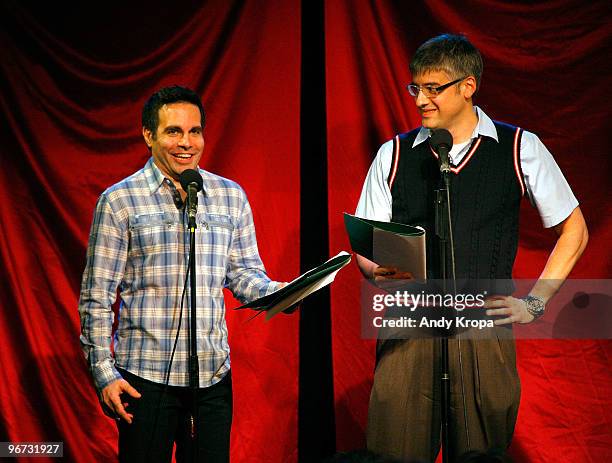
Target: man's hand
x: 390, y: 273
x: 515, y: 309
x: 111, y: 395
x: 390, y: 277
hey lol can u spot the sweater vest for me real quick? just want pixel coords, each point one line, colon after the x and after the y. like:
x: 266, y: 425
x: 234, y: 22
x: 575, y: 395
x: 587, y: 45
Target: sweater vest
x: 486, y: 190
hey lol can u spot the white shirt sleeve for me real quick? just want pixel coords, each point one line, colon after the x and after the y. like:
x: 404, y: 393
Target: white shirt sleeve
x: 375, y: 202
x: 548, y: 190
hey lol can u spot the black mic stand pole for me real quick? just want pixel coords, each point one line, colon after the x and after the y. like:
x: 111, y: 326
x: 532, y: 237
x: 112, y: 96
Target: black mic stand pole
x: 444, y: 231
x: 194, y: 368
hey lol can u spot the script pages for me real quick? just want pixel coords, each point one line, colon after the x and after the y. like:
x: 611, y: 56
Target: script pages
x: 301, y: 287
x: 389, y: 244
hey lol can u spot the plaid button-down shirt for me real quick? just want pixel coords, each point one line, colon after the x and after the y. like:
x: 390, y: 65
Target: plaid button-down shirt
x: 139, y: 244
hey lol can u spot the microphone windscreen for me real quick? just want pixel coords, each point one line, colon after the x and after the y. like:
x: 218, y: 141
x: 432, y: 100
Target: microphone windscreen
x: 191, y: 176
x: 441, y: 137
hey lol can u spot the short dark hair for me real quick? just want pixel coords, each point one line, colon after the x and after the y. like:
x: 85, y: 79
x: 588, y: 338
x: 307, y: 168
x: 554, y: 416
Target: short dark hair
x: 453, y: 54
x: 167, y: 95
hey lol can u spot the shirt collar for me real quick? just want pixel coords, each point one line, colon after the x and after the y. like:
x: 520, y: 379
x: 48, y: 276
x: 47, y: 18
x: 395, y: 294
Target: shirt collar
x: 155, y: 177
x: 484, y: 127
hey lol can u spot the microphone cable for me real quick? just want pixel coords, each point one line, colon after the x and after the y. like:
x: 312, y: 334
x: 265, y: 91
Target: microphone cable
x: 451, y: 242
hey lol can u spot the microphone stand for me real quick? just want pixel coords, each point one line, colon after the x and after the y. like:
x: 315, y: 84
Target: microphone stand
x: 194, y: 369
x: 444, y: 231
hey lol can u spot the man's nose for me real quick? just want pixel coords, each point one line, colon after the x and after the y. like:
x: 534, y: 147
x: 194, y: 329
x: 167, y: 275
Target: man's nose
x: 184, y: 141
x: 421, y: 99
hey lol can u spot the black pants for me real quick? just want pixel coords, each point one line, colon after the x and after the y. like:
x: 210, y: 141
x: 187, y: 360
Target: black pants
x: 162, y: 418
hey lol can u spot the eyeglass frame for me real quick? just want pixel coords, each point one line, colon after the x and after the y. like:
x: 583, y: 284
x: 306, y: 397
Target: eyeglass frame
x: 428, y: 89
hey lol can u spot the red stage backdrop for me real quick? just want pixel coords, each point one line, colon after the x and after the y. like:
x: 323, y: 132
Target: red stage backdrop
x: 547, y: 70
x: 72, y: 83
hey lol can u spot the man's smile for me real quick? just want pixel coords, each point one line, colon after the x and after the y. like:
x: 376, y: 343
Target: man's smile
x: 182, y: 156
x: 427, y: 111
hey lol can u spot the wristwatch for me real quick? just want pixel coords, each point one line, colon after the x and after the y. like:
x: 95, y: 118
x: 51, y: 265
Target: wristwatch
x: 535, y: 306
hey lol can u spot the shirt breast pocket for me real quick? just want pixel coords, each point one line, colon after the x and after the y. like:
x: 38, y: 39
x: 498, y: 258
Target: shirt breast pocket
x: 217, y: 233
x: 149, y: 232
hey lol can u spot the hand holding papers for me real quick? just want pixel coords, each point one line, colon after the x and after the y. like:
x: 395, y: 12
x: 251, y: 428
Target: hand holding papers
x: 298, y: 289
x: 389, y: 244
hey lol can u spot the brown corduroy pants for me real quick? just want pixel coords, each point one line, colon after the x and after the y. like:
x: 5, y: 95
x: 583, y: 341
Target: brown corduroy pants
x: 404, y: 412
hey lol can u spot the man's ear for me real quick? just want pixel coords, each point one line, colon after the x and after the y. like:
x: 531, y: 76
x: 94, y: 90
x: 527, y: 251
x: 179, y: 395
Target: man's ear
x: 469, y: 86
x: 148, y: 136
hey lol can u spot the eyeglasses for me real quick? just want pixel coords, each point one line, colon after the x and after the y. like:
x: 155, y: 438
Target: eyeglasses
x: 429, y: 90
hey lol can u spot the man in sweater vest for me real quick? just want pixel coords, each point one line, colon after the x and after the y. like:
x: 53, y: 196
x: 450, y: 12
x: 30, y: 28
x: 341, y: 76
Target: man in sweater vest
x: 493, y: 165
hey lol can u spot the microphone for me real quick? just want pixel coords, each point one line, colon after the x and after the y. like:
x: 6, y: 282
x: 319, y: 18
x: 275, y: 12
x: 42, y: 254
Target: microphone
x: 192, y: 182
x: 441, y: 141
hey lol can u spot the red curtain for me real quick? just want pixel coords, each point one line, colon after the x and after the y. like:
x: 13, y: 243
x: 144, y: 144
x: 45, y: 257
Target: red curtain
x: 547, y: 70
x: 72, y: 83
x: 72, y: 87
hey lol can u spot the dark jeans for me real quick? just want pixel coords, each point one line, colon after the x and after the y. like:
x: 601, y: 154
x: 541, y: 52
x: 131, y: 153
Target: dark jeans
x: 160, y: 419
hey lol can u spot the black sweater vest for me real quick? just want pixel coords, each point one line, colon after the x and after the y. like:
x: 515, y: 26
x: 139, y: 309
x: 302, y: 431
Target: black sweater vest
x: 486, y: 189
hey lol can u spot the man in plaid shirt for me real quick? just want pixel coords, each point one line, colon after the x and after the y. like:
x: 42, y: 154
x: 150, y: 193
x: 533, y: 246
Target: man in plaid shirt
x: 139, y: 244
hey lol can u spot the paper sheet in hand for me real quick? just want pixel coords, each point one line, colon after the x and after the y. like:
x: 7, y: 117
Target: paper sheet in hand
x: 302, y: 286
x: 389, y: 244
